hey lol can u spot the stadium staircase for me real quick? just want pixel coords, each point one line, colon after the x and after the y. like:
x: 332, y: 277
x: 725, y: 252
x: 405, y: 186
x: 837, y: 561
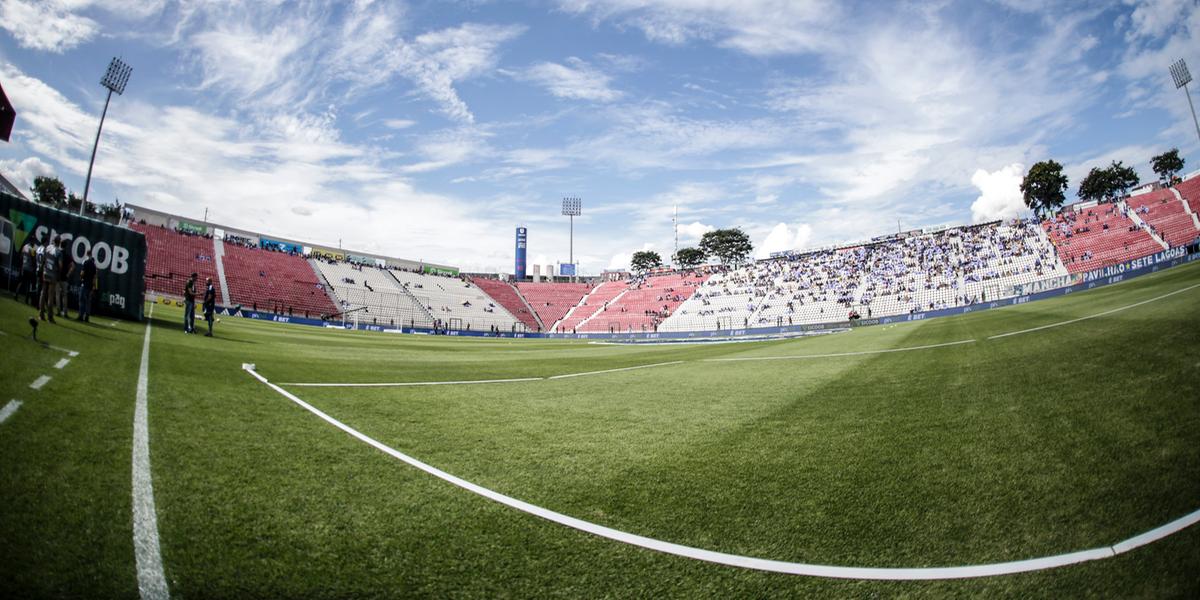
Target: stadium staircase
x: 417, y: 301
x: 551, y: 301
x: 219, y: 258
x: 1137, y: 220
x: 1187, y: 207
x: 589, y: 305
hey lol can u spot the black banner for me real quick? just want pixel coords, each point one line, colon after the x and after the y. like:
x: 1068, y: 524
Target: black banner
x: 119, y: 253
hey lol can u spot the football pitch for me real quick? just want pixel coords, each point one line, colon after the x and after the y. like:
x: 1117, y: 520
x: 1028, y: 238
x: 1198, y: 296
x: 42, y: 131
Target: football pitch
x: 1028, y: 432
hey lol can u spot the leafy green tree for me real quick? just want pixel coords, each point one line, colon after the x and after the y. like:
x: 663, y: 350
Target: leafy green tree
x: 1122, y: 179
x: 1167, y: 165
x: 645, y: 260
x: 1097, y: 185
x: 1044, y: 187
x: 49, y: 190
x: 730, y: 246
x: 1109, y: 183
x: 689, y: 258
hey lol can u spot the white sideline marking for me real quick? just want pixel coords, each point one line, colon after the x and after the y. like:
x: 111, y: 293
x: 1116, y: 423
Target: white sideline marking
x: 411, y: 383
x: 39, y: 382
x: 62, y: 362
x: 749, y: 562
x: 798, y: 356
x: 70, y: 353
x: 152, y: 584
x: 9, y: 409
x: 1100, y: 314
x: 674, y: 362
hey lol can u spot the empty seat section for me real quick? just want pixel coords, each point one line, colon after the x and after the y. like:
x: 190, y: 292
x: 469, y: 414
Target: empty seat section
x: 1162, y: 211
x: 591, y: 303
x: 274, y: 281
x: 552, y: 300
x: 457, y: 303
x: 172, y: 256
x: 1096, y: 237
x: 645, y: 304
x: 504, y: 293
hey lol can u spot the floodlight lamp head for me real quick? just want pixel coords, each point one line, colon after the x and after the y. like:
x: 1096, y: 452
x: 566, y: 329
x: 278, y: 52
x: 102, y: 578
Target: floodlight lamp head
x: 116, y: 76
x: 1179, y: 72
x: 572, y: 207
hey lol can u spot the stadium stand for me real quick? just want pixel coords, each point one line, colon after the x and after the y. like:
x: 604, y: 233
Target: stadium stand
x: 1166, y: 215
x: 551, y: 301
x: 595, y: 300
x: 275, y: 281
x: 172, y: 256
x: 645, y: 304
x: 373, y: 294
x: 1093, y: 237
x: 952, y: 267
x: 507, y: 296
x: 457, y: 303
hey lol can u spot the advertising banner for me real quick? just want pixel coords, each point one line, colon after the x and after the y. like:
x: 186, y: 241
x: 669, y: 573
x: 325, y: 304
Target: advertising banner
x: 119, y: 253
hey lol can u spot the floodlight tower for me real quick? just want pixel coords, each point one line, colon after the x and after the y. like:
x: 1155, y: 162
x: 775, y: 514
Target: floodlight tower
x: 1179, y: 72
x: 114, y: 79
x: 572, y: 207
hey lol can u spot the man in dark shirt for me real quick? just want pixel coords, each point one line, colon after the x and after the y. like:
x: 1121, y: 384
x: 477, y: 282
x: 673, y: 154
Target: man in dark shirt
x: 210, y: 304
x: 189, y: 304
x: 87, y: 283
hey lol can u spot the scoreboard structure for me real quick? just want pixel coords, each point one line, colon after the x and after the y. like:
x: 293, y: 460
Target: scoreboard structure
x: 519, y: 264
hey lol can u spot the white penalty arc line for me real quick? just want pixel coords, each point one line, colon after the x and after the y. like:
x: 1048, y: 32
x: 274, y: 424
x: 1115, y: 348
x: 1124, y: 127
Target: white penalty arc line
x: 1100, y: 314
x: 749, y: 562
x: 861, y: 353
x: 662, y: 364
x: 152, y: 583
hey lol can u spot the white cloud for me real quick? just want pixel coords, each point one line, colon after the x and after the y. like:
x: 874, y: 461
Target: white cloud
x: 692, y: 232
x: 48, y: 25
x: 621, y: 260
x: 1153, y: 18
x: 575, y: 80
x: 782, y: 238
x: 21, y: 173
x: 398, y: 123
x: 999, y: 194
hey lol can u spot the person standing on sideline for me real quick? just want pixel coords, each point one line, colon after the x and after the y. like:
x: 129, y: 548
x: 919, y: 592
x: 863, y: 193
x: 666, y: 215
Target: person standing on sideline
x: 66, y: 267
x: 210, y: 304
x: 50, y: 266
x: 189, y: 304
x: 87, y: 282
x: 28, y: 274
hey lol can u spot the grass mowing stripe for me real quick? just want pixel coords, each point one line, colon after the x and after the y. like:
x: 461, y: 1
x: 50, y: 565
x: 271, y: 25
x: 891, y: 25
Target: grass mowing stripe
x: 1100, y: 314
x: 747, y: 562
x: 39, y: 382
x: 674, y: 362
x: 152, y: 584
x: 9, y: 409
x: 862, y: 353
x: 413, y: 383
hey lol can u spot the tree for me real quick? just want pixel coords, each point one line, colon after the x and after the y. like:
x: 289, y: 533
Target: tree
x: 1044, y: 187
x: 1109, y: 183
x: 49, y: 190
x: 1122, y: 179
x: 1167, y: 165
x: 1096, y: 186
x: 730, y: 246
x: 689, y: 258
x: 645, y: 260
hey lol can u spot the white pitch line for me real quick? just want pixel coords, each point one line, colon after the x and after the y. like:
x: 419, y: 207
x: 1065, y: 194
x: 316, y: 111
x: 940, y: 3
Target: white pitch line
x: 39, y: 382
x: 71, y: 353
x: 9, y: 409
x: 413, y: 383
x: 864, y: 352
x: 62, y: 362
x: 152, y: 584
x: 749, y: 562
x: 663, y: 364
x: 1100, y: 314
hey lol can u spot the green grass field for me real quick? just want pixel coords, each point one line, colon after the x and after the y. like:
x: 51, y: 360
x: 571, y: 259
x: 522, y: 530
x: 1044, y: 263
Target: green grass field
x: 1052, y: 441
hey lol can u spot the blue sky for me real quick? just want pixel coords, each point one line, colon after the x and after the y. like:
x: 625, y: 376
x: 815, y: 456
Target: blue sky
x: 429, y: 130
